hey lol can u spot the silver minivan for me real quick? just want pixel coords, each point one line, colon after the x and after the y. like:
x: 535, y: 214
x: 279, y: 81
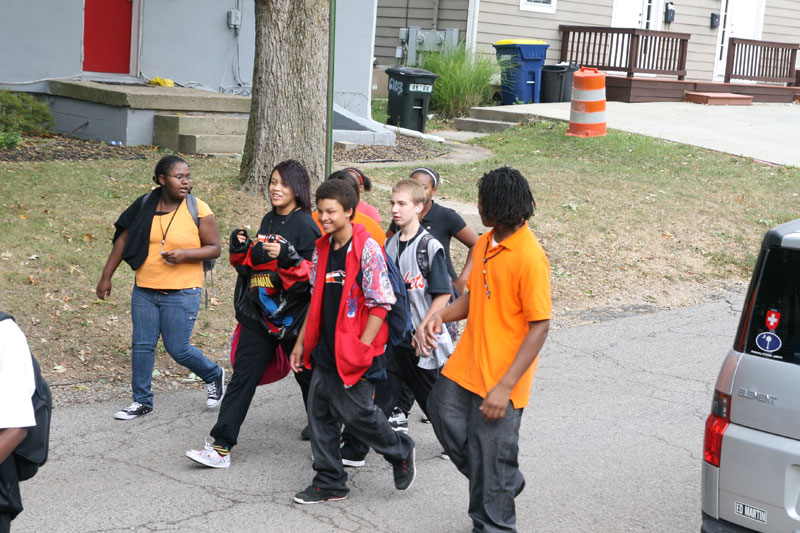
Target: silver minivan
x: 751, y: 451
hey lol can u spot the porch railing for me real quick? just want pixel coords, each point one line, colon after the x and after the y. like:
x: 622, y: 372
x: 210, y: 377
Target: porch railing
x: 629, y: 50
x: 764, y: 61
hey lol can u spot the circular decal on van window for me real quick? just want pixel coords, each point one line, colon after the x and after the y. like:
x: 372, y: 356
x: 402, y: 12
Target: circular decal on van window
x: 768, y: 341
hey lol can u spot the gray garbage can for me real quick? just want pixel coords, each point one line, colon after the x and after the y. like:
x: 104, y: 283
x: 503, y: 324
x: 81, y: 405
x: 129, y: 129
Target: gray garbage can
x: 552, y: 83
x: 566, y: 93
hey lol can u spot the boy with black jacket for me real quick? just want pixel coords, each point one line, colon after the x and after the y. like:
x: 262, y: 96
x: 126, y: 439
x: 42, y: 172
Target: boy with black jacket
x: 343, y: 336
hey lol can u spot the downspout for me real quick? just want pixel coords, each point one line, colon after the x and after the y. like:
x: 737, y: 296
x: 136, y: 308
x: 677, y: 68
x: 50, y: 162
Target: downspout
x: 435, y: 22
x: 472, y: 25
x: 329, y: 126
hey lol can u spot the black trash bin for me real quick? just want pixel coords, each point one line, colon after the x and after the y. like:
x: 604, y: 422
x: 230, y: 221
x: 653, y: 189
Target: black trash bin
x: 566, y: 93
x: 552, y: 83
x: 409, y: 95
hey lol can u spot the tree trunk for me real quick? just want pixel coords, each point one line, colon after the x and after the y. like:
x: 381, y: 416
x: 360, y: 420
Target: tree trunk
x: 289, y: 107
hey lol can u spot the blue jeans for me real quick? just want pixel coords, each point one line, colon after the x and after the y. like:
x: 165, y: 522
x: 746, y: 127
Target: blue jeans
x: 170, y: 314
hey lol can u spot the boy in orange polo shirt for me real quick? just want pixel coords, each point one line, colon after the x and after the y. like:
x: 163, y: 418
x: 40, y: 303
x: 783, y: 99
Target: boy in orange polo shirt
x: 476, y: 405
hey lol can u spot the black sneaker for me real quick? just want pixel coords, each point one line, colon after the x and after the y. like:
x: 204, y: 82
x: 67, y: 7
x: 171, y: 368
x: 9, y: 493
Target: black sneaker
x: 404, y: 472
x: 317, y: 495
x: 132, y: 411
x: 349, y: 455
x: 216, y: 390
x: 305, y: 434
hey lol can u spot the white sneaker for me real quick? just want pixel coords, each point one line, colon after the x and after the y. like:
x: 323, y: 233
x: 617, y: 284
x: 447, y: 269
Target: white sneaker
x: 398, y: 420
x: 208, y: 456
x: 216, y: 390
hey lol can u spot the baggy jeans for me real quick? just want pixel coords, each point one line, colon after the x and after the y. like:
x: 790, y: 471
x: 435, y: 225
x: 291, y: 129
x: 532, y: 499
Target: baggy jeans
x: 329, y: 402
x: 484, y: 451
x: 170, y: 314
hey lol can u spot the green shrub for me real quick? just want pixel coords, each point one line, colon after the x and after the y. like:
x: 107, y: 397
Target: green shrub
x: 23, y: 113
x: 9, y: 139
x: 463, y: 80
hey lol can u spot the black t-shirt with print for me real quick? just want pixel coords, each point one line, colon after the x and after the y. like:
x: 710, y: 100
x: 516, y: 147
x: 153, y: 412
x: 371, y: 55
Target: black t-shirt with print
x: 443, y: 223
x: 297, y: 227
x: 324, y: 353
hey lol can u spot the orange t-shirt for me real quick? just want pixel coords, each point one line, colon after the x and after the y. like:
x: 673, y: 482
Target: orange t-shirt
x: 518, y: 279
x: 369, y: 224
x: 183, y: 233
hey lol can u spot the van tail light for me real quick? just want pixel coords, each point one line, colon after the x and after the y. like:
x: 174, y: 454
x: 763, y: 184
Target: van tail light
x: 716, y: 423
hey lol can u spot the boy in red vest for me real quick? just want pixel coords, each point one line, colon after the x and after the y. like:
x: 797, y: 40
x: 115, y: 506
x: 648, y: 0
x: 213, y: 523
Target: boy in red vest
x: 344, y: 336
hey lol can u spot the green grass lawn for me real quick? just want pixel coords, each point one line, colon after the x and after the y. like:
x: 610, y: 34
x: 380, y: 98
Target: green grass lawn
x: 625, y: 215
x: 624, y: 219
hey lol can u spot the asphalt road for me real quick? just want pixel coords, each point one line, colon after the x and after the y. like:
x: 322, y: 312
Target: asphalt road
x: 611, y: 442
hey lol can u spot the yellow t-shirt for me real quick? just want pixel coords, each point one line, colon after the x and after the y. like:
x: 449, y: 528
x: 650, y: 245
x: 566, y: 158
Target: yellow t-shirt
x: 518, y: 279
x: 183, y: 233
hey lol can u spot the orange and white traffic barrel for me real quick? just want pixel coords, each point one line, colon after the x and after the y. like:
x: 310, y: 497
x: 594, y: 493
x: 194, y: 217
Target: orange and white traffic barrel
x: 587, y: 114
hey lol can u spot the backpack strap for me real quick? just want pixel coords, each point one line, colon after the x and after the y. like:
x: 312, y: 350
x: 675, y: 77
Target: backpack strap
x: 191, y: 204
x: 423, y: 258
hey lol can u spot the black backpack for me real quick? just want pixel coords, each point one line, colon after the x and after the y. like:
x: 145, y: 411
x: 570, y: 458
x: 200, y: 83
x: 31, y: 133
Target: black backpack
x: 32, y: 451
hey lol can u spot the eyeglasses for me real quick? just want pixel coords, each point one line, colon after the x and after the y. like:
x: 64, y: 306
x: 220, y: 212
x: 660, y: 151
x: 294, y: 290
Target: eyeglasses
x: 181, y: 177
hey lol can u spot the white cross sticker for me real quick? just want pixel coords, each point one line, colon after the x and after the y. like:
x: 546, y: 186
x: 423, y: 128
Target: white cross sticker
x: 772, y: 321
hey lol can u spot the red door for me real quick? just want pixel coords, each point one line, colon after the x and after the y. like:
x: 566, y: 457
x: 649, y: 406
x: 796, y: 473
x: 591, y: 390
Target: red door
x: 107, y: 36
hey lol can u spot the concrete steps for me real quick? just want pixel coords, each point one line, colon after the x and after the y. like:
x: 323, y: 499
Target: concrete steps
x: 482, y: 126
x: 493, y: 119
x: 221, y: 133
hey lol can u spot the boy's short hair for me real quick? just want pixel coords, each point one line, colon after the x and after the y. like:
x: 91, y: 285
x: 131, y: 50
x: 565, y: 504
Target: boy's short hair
x: 505, y: 197
x: 412, y: 188
x: 338, y: 190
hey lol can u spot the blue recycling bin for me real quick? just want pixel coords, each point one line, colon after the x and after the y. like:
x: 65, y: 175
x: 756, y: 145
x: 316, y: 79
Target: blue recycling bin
x: 521, y: 76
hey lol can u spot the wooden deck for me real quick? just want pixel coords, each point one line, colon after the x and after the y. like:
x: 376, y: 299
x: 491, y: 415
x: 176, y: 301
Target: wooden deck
x: 624, y: 89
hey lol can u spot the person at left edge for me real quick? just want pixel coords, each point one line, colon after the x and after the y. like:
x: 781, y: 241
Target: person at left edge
x: 158, y: 237
x: 17, y: 385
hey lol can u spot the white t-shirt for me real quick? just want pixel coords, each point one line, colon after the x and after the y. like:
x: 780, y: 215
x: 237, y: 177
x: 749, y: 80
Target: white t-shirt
x: 17, y: 383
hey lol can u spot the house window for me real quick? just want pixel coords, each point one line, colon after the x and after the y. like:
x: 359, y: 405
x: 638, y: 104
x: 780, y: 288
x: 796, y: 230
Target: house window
x: 540, y: 6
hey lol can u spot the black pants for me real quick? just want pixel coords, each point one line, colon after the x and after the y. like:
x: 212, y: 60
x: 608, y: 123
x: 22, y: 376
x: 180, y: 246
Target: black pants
x: 328, y: 403
x: 254, y: 351
x: 402, y: 371
x: 10, y: 501
x: 406, y: 400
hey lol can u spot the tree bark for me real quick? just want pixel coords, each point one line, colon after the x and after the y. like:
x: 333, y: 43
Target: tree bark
x: 289, y: 106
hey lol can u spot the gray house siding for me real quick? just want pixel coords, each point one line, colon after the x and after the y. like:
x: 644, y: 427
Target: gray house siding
x: 40, y: 40
x: 782, y: 21
x: 48, y: 37
x: 503, y: 19
x: 693, y: 16
x: 393, y: 15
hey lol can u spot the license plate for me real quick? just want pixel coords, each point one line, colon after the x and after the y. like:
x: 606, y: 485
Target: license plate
x: 753, y: 513
x: 420, y: 88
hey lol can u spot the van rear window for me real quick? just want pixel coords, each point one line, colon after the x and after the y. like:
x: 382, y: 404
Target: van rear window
x: 775, y: 320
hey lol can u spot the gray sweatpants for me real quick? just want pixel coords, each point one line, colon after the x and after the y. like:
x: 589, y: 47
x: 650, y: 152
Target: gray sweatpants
x: 330, y: 403
x: 484, y: 451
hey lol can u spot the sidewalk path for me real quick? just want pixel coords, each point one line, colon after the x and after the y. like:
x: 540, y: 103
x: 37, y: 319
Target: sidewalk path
x: 769, y: 132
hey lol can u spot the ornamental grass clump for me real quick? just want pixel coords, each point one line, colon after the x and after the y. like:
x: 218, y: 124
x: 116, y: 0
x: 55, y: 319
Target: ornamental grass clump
x: 463, y: 80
